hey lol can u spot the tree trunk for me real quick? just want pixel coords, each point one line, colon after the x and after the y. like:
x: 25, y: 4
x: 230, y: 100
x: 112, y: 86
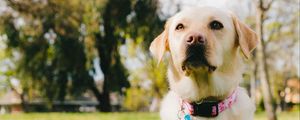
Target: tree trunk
x: 262, y: 67
x: 253, y: 79
x: 105, y: 51
x: 102, y: 98
x: 107, y: 46
x: 24, y: 103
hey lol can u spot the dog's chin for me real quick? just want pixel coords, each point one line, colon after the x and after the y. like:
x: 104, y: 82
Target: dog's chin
x: 195, y: 67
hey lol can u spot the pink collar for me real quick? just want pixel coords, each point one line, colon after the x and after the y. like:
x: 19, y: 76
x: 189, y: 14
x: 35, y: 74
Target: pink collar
x: 206, y: 108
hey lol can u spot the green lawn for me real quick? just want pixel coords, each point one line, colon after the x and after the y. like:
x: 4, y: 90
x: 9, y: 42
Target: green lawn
x: 115, y: 116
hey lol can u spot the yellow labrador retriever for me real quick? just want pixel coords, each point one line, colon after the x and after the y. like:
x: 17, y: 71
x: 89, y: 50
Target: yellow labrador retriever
x: 205, y: 65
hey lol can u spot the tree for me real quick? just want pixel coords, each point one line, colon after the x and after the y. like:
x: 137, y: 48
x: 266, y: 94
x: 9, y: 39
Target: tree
x: 122, y: 23
x: 148, y: 81
x: 262, y: 69
x: 281, y: 44
x: 54, y: 49
x: 52, y: 53
x: 59, y: 40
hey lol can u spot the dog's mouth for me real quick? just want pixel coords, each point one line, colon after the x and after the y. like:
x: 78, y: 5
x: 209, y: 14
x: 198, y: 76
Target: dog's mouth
x: 195, y: 65
x: 196, y: 59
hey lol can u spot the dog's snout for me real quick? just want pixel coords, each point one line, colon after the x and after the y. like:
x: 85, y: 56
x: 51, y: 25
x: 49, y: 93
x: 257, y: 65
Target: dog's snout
x: 196, y: 39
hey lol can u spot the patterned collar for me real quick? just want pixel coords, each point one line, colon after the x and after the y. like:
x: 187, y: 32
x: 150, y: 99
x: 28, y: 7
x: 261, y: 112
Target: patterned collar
x: 205, y: 108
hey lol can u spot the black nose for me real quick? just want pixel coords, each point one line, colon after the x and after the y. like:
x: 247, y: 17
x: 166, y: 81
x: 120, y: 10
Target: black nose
x: 194, y: 39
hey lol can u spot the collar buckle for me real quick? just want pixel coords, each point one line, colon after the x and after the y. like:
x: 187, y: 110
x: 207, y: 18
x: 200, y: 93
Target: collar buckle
x: 206, y: 109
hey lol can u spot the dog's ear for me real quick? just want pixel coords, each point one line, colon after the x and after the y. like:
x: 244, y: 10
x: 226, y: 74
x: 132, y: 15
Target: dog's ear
x: 246, y: 37
x: 160, y: 44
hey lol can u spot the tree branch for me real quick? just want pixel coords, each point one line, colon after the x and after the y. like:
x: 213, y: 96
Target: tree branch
x: 268, y: 5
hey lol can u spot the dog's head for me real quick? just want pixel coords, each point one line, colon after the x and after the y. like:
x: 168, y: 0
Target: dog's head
x: 203, y: 39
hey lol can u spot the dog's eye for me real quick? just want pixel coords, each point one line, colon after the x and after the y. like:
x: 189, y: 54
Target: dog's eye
x: 216, y: 25
x: 179, y: 27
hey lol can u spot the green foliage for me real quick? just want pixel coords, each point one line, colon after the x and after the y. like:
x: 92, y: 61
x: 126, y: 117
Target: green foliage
x: 146, y: 18
x: 147, y: 83
x: 137, y: 98
x: 52, y: 47
x: 58, y: 41
x: 158, y: 74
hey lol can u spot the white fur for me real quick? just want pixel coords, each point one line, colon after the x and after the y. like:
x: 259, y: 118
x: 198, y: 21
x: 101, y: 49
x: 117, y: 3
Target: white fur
x: 198, y: 84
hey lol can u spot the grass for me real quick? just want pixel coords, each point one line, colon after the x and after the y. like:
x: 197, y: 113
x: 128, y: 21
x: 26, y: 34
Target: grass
x: 81, y: 116
x: 117, y: 116
x: 295, y: 115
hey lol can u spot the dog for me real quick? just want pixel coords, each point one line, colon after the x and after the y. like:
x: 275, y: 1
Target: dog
x: 206, y: 47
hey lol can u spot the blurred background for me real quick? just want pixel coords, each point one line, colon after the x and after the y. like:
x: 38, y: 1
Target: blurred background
x: 88, y: 57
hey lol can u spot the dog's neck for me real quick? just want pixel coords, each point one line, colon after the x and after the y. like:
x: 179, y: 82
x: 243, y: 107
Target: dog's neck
x: 201, y: 85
